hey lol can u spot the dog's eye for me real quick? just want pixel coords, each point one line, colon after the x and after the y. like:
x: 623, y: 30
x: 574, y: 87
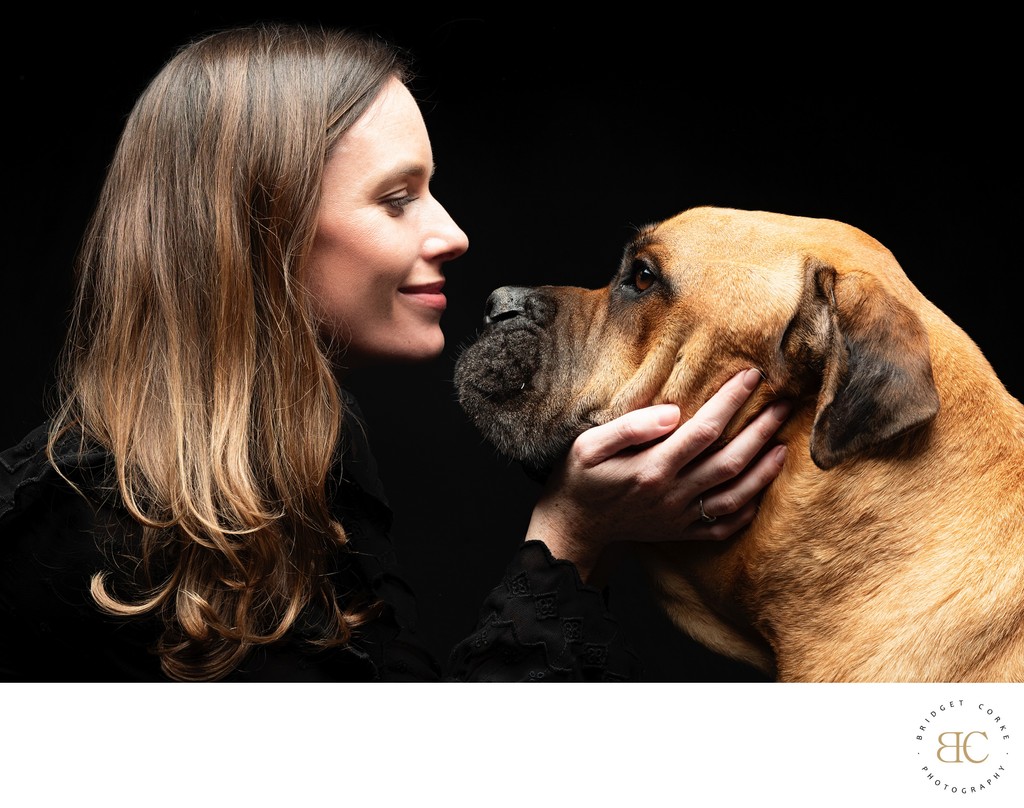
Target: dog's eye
x: 642, y: 277
x: 637, y: 276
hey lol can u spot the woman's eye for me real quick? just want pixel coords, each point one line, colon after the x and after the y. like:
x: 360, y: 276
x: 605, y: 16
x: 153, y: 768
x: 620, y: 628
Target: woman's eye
x: 400, y: 202
x: 642, y: 278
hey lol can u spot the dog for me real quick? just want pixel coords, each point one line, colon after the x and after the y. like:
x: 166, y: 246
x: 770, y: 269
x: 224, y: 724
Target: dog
x: 891, y: 546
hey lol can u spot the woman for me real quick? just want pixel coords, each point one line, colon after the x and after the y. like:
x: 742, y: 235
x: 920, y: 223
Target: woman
x: 203, y: 504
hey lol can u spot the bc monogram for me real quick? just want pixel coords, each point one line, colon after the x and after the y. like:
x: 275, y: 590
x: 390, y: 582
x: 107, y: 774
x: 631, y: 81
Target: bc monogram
x: 962, y: 743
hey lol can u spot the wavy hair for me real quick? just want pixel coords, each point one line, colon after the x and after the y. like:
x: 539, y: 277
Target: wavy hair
x: 194, y: 354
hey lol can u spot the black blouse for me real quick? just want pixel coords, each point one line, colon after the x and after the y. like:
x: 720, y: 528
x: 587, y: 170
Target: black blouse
x: 540, y: 623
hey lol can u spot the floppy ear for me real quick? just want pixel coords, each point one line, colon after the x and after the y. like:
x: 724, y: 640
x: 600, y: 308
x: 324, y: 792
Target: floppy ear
x: 872, y: 354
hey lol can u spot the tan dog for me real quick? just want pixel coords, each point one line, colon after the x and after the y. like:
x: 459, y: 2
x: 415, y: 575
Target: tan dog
x: 891, y: 548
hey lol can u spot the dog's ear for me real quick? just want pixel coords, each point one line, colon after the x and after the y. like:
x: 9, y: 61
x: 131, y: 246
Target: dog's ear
x: 872, y: 354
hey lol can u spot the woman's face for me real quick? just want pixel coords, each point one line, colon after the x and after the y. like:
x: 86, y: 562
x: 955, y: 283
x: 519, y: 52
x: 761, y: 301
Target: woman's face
x: 376, y: 267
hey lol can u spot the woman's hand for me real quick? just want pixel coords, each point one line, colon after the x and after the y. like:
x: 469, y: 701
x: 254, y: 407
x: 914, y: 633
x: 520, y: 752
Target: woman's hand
x: 607, y: 489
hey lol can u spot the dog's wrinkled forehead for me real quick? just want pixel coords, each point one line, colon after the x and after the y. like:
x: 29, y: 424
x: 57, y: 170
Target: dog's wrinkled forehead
x: 773, y: 241
x: 720, y: 237
x: 726, y: 260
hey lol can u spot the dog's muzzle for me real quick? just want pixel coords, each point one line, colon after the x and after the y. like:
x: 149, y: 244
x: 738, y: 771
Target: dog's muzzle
x: 501, y: 378
x: 501, y: 363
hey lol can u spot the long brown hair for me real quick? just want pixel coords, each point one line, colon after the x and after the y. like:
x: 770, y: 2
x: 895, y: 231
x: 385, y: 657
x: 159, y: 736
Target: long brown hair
x: 193, y: 353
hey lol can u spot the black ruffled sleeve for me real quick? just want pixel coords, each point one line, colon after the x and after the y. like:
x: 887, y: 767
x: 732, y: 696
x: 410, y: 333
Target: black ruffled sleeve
x: 541, y: 623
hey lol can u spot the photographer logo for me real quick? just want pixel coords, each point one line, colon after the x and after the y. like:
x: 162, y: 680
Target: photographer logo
x: 963, y: 747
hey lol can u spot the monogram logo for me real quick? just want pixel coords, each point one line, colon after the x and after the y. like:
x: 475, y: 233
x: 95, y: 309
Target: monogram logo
x: 961, y: 742
x: 963, y: 747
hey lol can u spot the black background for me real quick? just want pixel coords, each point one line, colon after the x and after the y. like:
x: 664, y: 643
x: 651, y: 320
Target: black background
x: 554, y: 138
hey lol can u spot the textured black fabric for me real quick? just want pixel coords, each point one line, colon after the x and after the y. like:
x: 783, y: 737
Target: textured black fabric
x: 539, y: 624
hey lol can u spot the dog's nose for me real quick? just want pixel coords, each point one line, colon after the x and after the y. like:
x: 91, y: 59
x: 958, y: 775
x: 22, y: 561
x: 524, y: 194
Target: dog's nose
x: 506, y: 302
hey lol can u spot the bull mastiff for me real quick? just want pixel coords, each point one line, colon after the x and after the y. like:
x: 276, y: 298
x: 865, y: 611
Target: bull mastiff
x: 891, y: 547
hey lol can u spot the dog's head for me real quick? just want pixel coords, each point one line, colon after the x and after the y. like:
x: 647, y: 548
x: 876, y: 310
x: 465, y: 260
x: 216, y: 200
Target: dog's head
x: 821, y: 308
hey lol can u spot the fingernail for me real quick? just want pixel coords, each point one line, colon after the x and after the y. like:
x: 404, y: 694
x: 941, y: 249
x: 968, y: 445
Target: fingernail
x: 779, y: 454
x: 782, y: 409
x: 751, y: 378
x: 667, y: 415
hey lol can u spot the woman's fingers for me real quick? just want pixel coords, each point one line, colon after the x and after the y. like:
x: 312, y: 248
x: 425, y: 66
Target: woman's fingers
x: 743, y: 491
x: 633, y: 429
x: 708, y: 423
x: 723, y: 527
x: 730, y: 461
x: 730, y: 509
x: 650, y: 423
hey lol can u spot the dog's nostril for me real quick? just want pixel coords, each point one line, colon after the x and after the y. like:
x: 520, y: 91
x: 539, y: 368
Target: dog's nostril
x: 505, y: 315
x: 505, y: 303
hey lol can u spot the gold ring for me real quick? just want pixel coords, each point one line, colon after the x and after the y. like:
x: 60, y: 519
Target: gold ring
x: 703, y: 516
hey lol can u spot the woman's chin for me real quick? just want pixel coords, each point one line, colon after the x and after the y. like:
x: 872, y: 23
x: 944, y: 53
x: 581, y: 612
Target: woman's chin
x: 424, y: 350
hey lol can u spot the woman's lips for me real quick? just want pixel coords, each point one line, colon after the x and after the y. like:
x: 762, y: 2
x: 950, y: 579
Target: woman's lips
x: 426, y: 294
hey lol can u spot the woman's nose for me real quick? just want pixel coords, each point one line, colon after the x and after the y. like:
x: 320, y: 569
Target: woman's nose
x: 446, y: 241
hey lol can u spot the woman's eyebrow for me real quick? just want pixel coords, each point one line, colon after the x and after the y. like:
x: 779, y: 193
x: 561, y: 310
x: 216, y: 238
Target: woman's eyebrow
x: 417, y: 170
